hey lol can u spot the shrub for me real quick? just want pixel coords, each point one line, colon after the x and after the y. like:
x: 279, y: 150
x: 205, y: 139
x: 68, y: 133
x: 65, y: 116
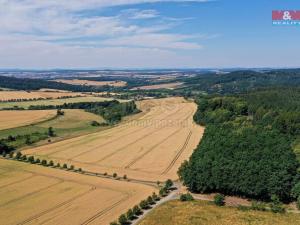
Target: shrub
x: 24, y: 158
x: 137, y: 210
x: 95, y: 124
x: 4, y: 154
x: 79, y: 170
x: 144, y: 204
x: 123, y: 220
x: 298, y: 202
x: 219, y: 200
x: 169, y: 183
x: 125, y: 177
x: 163, y: 192
x: 44, y: 162
x: 11, y: 155
x: 260, y: 206
x: 18, y: 155
x: 276, y: 206
x: 31, y: 159
x: 296, y: 191
x: 155, y: 197
x: 51, y: 163
x: 186, y: 197
x: 105, y: 174
x: 130, y: 214
x: 150, y: 200
x: 51, y: 132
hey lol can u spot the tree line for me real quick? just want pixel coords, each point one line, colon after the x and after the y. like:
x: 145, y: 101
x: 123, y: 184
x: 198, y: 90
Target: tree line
x: 246, y: 149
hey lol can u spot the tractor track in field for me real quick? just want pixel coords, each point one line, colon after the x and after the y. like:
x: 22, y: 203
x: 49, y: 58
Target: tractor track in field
x: 102, y: 212
x: 28, y: 220
x: 178, y: 154
x: 31, y: 193
x: 18, y: 181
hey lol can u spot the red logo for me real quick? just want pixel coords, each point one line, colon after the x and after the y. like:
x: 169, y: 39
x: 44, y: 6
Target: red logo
x: 286, y: 15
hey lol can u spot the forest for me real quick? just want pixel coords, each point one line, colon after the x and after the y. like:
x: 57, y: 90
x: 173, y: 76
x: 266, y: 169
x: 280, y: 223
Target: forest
x: 247, y: 146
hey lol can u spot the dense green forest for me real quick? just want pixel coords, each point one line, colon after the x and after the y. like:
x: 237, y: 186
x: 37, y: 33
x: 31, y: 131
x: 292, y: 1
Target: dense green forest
x: 111, y: 111
x: 36, y: 84
x: 240, y: 81
x: 247, y: 146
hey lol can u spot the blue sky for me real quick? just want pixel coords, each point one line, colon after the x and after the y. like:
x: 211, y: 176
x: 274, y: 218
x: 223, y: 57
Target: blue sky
x: 146, y: 34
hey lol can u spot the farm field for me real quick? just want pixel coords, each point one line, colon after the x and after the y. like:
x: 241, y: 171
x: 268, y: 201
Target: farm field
x: 11, y: 119
x: 202, y: 212
x: 12, y: 95
x: 32, y: 194
x: 93, y: 83
x: 150, y: 148
x: 74, y: 122
x: 53, y: 101
x: 159, y: 86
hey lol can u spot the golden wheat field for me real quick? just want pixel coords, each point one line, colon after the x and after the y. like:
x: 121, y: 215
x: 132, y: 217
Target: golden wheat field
x: 13, y: 95
x: 11, y: 119
x: 32, y: 194
x: 150, y: 148
x: 93, y: 83
x: 159, y: 86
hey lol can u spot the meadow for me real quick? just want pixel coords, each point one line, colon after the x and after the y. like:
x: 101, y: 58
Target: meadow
x: 206, y: 213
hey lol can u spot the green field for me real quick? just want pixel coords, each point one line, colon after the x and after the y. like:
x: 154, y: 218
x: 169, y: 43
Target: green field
x: 73, y: 122
x: 26, y: 104
x: 206, y: 213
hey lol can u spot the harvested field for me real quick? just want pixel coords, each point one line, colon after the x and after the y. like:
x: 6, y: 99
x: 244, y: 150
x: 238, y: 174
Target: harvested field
x: 11, y: 119
x: 202, y: 212
x: 93, y: 83
x: 159, y: 86
x: 53, y: 101
x: 150, y: 148
x: 33, y: 194
x: 13, y: 95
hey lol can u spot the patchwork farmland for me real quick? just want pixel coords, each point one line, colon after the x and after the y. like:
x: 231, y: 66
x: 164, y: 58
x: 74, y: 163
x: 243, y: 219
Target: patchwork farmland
x: 150, y: 148
x: 33, y: 194
x: 11, y: 119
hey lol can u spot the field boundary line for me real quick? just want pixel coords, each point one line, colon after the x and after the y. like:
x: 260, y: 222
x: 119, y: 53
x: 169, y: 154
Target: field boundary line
x: 178, y: 154
x: 55, y: 207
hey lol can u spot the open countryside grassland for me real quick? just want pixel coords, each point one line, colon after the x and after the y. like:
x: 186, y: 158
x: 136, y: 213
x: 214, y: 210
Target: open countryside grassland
x: 31, y: 194
x: 93, y: 83
x: 11, y: 119
x: 201, y: 212
x: 52, y: 102
x: 150, y: 148
x: 11, y: 95
x: 159, y: 86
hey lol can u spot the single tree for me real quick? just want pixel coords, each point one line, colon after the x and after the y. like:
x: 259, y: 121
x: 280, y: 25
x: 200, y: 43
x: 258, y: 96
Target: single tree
x: 37, y: 161
x: 130, y: 214
x: 51, y: 163
x: 115, y: 175
x: 155, y: 197
x: 31, y: 159
x: 65, y: 166
x: 150, y: 200
x: 169, y: 183
x: 219, y: 200
x: 11, y: 155
x: 123, y: 220
x: 72, y: 167
x: 125, y: 177
x: 44, y: 162
x: 144, y: 204
x: 137, y: 210
x: 51, y: 132
x: 58, y: 165
x: 18, y: 155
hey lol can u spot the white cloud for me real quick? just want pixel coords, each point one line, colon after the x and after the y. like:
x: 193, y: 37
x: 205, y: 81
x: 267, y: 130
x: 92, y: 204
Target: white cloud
x: 38, y: 33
